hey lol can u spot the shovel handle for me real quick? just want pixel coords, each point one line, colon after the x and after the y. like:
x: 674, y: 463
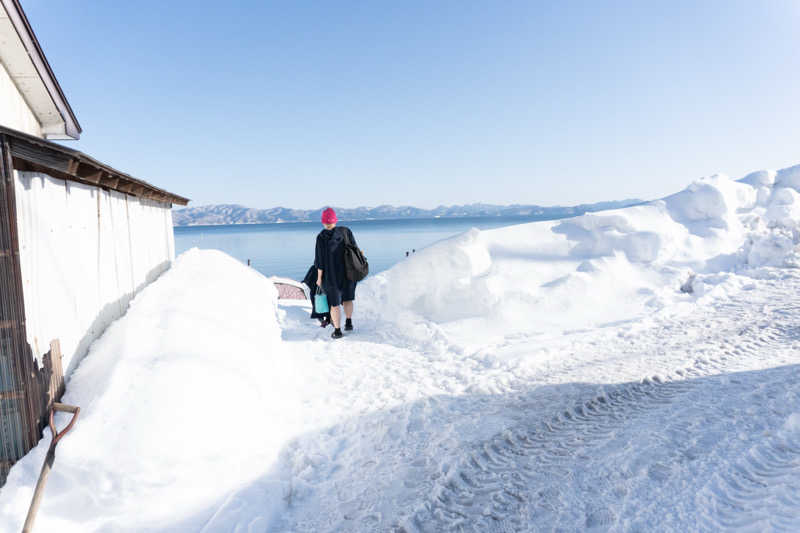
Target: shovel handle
x: 64, y: 408
x: 48, y: 461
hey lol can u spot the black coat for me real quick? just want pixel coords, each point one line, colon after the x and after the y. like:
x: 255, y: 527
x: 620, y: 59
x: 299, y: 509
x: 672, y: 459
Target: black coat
x: 329, y: 257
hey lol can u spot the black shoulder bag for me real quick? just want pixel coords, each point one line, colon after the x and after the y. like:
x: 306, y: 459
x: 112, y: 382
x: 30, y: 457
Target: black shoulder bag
x: 355, y: 264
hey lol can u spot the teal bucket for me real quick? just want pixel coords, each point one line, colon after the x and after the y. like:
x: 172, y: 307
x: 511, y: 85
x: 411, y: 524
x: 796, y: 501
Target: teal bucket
x: 321, y: 303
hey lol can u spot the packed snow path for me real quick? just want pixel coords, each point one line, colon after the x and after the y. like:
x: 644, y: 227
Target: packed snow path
x: 676, y: 423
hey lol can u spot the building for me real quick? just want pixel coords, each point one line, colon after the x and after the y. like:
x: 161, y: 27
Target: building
x: 78, y: 239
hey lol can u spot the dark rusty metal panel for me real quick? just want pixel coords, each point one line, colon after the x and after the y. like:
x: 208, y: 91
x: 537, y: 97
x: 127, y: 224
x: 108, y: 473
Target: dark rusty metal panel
x: 14, y: 433
x: 22, y: 354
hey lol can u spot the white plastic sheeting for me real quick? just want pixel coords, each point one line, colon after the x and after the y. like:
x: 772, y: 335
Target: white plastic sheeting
x: 84, y: 253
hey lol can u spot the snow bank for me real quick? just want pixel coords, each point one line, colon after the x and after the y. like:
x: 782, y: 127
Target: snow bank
x: 186, y: 397
x: 595, y: 269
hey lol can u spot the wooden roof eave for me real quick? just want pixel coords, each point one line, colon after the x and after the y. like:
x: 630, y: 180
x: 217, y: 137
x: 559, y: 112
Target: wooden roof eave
x: 32, y: 153
x: 13, y: 8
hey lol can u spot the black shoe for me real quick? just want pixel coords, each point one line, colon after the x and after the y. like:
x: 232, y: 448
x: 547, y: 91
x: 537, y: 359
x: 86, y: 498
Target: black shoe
x: 323, y: 322
x: 348, y: 325
x: 337, y: 334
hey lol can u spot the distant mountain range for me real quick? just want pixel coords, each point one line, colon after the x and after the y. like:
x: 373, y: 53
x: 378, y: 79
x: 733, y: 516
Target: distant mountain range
x: 214, y: 215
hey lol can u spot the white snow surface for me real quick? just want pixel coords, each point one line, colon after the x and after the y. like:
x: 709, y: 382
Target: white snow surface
x: 627, y: 370
x: 177, y: 405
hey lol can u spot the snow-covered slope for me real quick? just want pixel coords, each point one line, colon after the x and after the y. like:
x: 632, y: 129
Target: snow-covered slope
x: 596, y: 269
x: 632, y: 369
x: 177, y: 405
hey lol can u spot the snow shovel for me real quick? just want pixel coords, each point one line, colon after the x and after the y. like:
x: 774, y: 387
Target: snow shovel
x: 48, y: 461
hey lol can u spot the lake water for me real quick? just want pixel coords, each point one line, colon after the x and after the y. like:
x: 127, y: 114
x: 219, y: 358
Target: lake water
x: 288, y: 249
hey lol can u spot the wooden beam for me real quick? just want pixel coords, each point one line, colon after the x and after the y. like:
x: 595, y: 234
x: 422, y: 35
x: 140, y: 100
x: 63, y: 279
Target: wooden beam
x: 35, y: 154
x: 53, y: 360
x: 21, y: 164
x: 108, y: 181
x: 12, y: 395
x: 38, y: 155
x: 72, y: 167
x: 89, y: 173
x: 152, y: 195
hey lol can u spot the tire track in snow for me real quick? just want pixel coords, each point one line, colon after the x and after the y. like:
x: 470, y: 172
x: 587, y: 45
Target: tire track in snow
x: 516, y: 480
x: 761, y: 490
x: 517, y: 475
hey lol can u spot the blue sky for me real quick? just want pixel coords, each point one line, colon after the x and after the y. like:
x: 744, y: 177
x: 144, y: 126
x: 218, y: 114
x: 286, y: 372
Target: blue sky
x: 303, y: 104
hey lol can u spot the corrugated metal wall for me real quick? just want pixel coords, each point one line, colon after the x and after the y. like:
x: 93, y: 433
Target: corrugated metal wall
x: 84, y: 253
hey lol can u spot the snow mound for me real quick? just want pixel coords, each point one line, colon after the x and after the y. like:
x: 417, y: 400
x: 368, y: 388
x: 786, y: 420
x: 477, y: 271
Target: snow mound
x: 444, y: 280
x: 595, y: 269
x: 711, y: 204
x: 789, y: 177
x: 178, y: 399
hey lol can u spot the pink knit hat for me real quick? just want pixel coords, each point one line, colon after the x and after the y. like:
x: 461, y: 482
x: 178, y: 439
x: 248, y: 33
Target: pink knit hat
x: 329, y: 216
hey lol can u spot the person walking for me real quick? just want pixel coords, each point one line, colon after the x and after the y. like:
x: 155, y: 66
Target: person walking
x: 331, y: 276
